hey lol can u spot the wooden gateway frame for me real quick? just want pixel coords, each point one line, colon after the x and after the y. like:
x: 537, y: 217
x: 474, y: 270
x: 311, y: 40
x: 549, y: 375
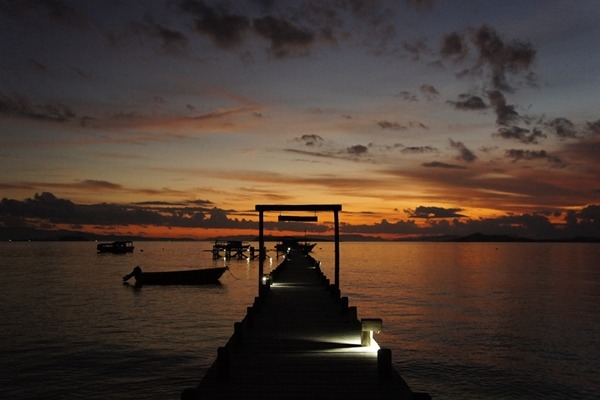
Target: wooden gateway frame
x: 335, y: 208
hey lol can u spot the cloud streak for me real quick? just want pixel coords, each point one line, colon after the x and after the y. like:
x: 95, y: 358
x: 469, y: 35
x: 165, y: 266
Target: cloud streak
x: 20, y: 106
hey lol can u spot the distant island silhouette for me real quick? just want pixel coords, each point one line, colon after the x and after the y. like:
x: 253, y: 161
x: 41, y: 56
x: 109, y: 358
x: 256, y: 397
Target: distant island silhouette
x: 27, y: 234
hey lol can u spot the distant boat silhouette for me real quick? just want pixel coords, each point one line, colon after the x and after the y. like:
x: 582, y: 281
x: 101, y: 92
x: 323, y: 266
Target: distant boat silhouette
x: 118, y: 247
x: 187, y: 277
x: 292, y: 244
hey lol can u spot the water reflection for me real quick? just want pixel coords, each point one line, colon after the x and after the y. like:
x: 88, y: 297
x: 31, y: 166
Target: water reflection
x: 463, y: 320
x: 505, y: 310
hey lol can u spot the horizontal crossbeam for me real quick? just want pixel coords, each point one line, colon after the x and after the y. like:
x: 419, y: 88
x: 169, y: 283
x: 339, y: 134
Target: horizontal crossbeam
x: 299, y: 207
x: 298, y: 218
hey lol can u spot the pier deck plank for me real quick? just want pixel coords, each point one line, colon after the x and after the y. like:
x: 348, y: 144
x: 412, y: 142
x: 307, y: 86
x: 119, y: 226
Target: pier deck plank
x: 298, y: 342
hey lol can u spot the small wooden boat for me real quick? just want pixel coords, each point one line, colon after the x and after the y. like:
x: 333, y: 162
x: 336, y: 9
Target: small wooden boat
x: 118, y: 247
x: 186, y: 277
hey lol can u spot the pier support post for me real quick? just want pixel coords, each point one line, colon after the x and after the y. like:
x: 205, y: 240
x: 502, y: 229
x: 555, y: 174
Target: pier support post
x: 238, y: 333
x: 335, y: 291
x: 223, y: 364
x: 384, y: 364
x: 256, y: 306
x: 262, y: 254
x: 336, y: 223
x: 344, y: 304
x: 353, y: 314
x: 189, y: 394
x: 420, y: 396
x: 250, y: 317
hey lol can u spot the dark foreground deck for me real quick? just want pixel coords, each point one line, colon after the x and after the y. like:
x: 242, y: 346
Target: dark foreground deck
x: 300, y: 340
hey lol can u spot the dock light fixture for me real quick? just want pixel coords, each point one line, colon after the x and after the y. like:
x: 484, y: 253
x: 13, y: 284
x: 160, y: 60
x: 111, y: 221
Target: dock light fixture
x: 266, y: 279
x: 369, y: 326
x: 298, y: 218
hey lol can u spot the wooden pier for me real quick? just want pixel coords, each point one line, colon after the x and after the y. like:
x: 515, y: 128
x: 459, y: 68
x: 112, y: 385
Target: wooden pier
x: 301, y: 340
x: 229, y: 249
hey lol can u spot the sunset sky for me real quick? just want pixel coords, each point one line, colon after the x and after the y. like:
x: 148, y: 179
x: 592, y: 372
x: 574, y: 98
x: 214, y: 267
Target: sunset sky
x: 176, y: 117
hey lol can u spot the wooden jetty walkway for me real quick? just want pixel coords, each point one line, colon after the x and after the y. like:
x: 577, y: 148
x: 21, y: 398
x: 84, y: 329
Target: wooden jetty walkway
x: 301, y: 340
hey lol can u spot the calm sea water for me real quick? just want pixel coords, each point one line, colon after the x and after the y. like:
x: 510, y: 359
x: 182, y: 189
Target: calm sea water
x: 464, y: 321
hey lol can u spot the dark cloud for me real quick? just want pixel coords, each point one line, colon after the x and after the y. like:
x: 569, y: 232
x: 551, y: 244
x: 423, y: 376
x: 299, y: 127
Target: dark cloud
x: 453, y: 45
x: 465, y: 154
x: 20, y: 106
x: 433, y: 212
x: 357, y: 150
x: 415, y: 48
x: 408, y: 96
x: 421, y: 3
x: 56, y: 11
x: 310, y: 140
x: 395, y: 126
x: 500, y: 56
x: 312, y: 153
x: 534, y: 226
x: 95, y: 185
x: 437, y: 164
x: 202, y: 203
x: 286, y: 39
x: 594, y: 127
x: 172, y: 41
x: 532, y: 155
x: 563, y: 128
x: 226, y: 29
x: 392, y: 147
x: 468, y: 102
x: 429, y: 91
x: 505, y: 113
x: 63, y: 13
x: 219, y: 113
x: 38, y: 66
x: 385, y: 227
x: 590, y: 217
x: 584, y: 222
x: 522, y: 135
x: 416, y: 124
x: 350, y: 153
x: 419, y: 150
x: 47, y: 210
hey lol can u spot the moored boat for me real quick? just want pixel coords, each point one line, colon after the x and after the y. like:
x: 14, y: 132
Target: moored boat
x: 186, y: 277
x: 288, y: 244
x: 118, y: 247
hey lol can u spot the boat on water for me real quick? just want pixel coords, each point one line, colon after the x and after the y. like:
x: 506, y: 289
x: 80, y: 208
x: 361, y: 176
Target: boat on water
x: 118, y: 247
x: 185, y: 277
x: 287, y: 245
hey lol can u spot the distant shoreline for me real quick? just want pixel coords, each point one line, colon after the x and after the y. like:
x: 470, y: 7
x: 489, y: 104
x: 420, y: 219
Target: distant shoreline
x: 61, y: 236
